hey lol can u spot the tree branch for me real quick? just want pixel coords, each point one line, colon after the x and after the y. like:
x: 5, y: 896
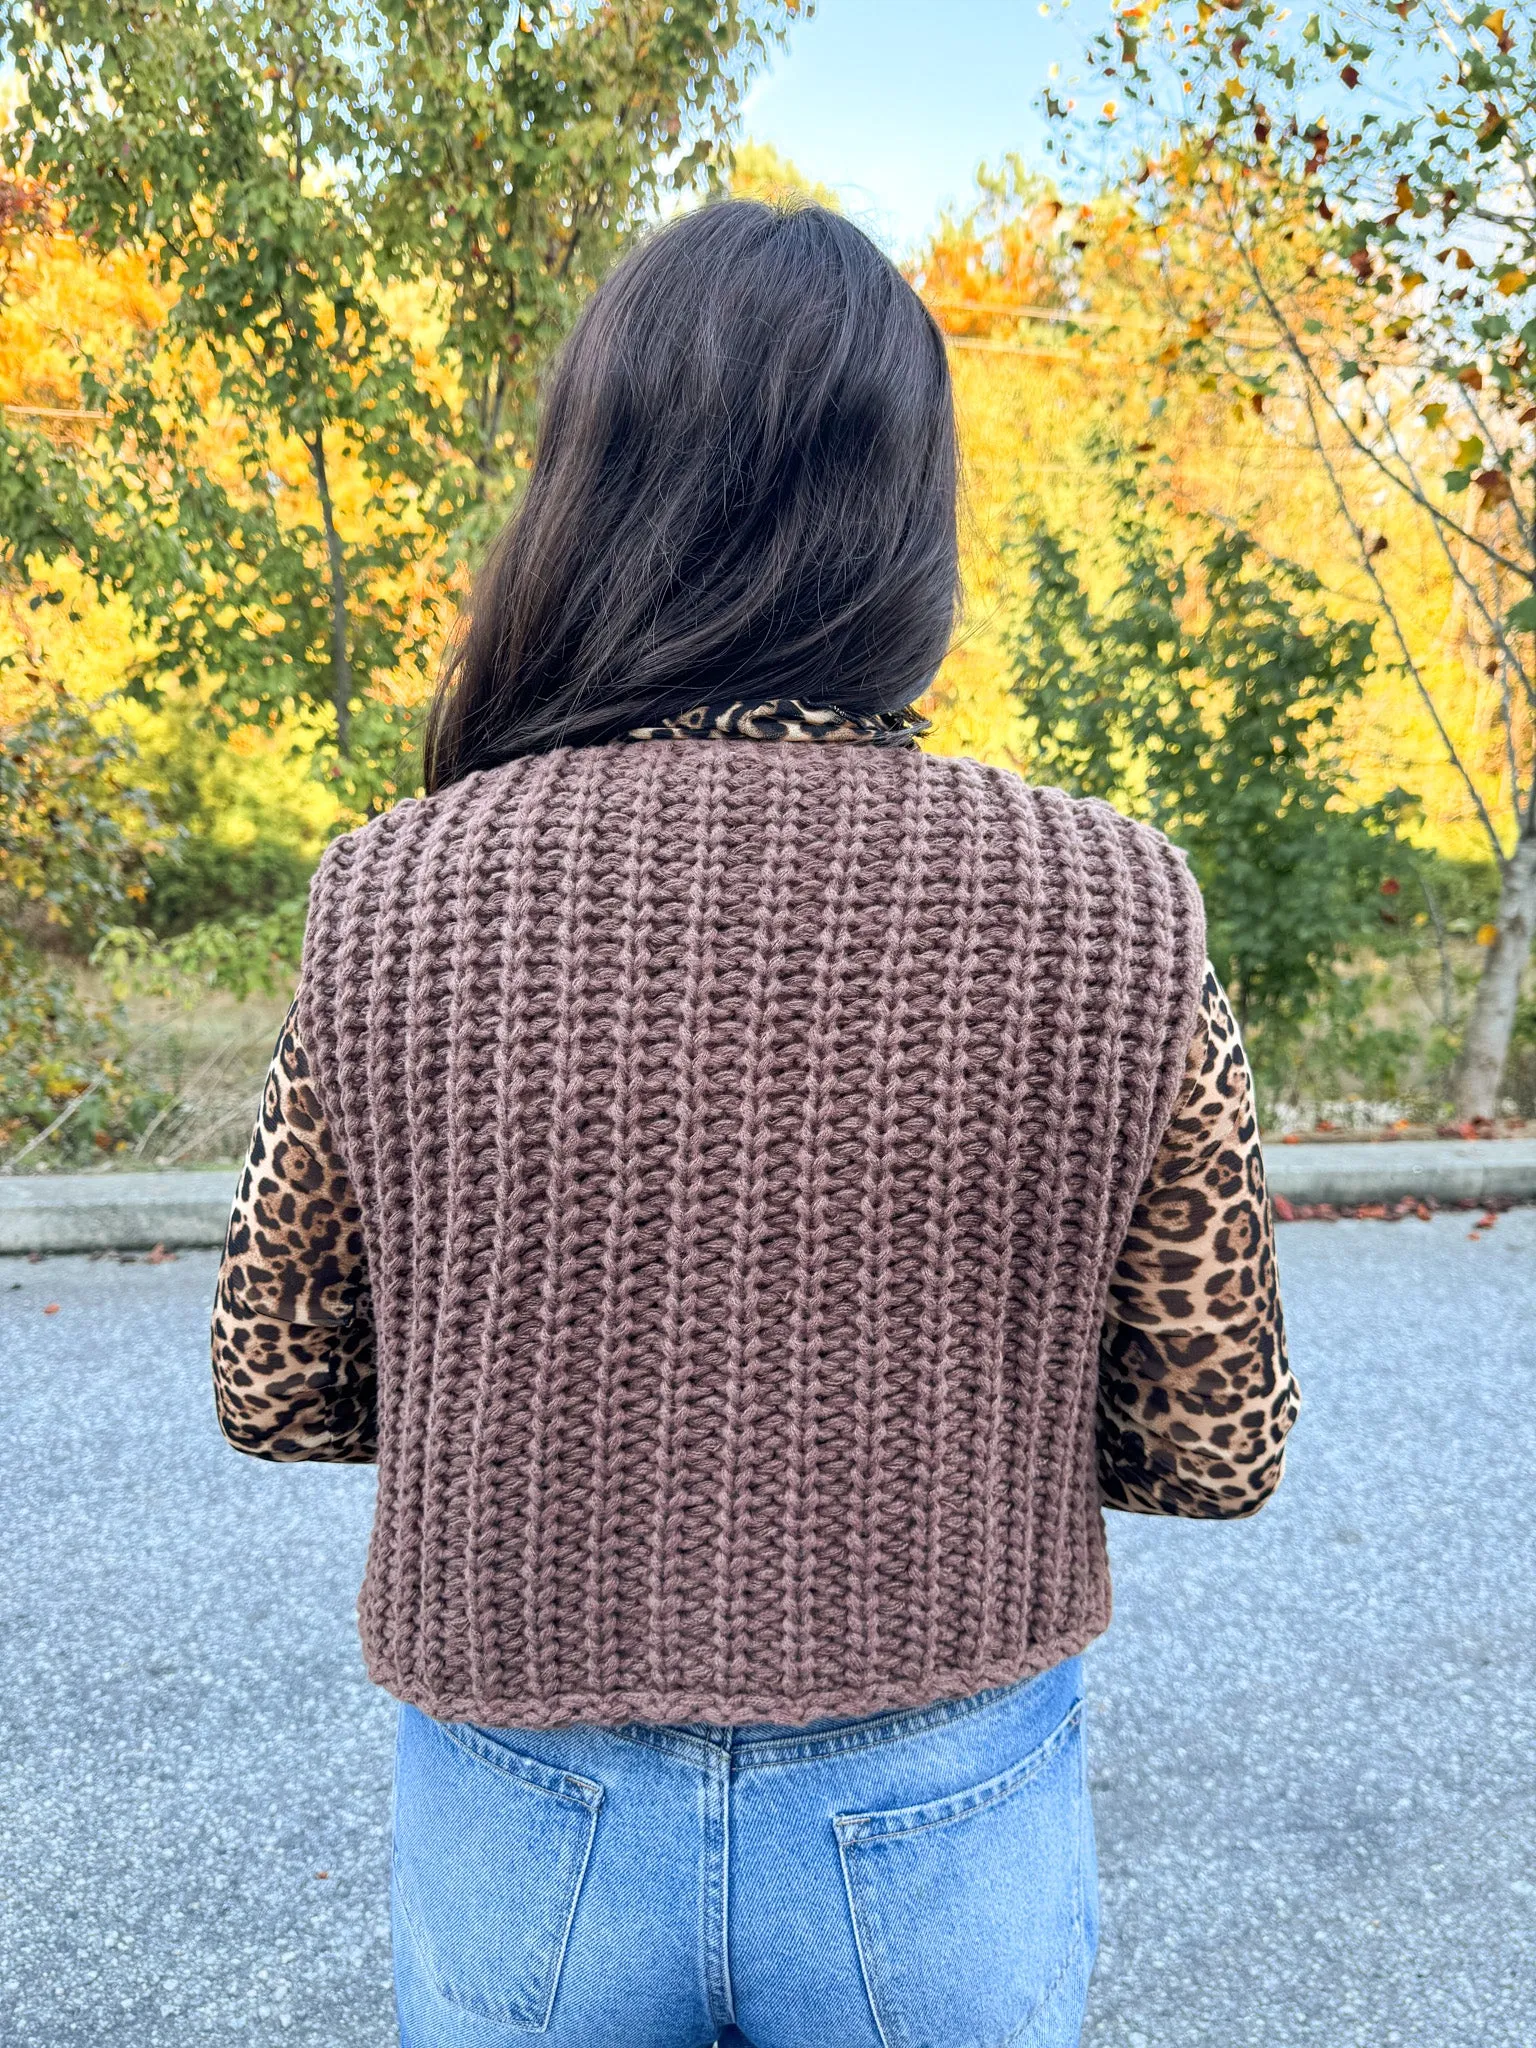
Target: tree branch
x: 1408, y: 485
x: 341, y: 661
x: 1528, y: 534
x: 1389, y: 611
x: 1495, y: 625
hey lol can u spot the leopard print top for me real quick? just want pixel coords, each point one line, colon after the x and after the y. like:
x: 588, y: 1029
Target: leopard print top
x: 1195, y: 1393
x: 292, y: 1319
x: 786, y: 718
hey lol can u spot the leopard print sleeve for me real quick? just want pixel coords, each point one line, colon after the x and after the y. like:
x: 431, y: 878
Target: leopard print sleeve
x: 293, y: 1355
x: 1195, y: 1393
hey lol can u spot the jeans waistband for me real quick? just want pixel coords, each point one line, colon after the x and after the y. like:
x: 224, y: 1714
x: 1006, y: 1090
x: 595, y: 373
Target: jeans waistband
x: 746, y: 1744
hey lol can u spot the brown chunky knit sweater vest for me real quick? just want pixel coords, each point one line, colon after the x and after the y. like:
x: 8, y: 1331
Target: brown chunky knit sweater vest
x: 744, y: 1135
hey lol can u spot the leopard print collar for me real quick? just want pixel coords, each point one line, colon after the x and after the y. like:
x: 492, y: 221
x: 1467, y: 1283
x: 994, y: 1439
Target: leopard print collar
x: 787, y: 718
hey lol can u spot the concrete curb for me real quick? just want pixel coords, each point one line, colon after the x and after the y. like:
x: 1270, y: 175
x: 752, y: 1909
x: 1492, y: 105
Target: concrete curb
x: 1440, y: 1169
x: 127, y: 1212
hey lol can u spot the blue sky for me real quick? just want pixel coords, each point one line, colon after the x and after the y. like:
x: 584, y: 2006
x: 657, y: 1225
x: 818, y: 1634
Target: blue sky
x: 895, y: 102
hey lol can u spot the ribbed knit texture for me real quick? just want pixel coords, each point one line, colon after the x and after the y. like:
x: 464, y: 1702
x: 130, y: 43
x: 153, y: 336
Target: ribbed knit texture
x: 744, y: 1136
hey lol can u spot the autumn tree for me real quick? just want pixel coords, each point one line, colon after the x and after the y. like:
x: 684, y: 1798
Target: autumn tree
x: 515, y: 150
x: 1368, y: 287
x: 1007, y: 257
x: 1046, y: 308
x: 223, y: 143
x: 373, y: 223
x: 758, y: 171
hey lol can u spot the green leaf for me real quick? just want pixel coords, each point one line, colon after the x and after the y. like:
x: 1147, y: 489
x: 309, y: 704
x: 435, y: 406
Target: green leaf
x: 1200, y: 691
x: 317, y: 159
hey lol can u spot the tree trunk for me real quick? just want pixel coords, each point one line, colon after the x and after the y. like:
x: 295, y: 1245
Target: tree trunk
x: 341, y: 661
x: 1498, y: 993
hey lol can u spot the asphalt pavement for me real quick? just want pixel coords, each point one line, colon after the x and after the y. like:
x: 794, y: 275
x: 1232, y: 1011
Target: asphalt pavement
x: 1313, y: 1735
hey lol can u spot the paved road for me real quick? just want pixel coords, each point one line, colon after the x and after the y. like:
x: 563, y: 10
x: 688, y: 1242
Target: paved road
x: 1314, y: 1735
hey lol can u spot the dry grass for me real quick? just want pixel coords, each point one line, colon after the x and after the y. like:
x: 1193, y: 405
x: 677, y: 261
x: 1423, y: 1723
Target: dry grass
x: 201, y: 1067
x: 210, y: 1062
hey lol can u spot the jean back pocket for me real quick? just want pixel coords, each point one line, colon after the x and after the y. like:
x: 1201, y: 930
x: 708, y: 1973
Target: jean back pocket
x: 969, y: 1911
x: 490, y: 1851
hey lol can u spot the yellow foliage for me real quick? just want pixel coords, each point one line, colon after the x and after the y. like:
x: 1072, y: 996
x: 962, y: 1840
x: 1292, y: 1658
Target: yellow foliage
x: 1042, y: 351
x: 759, y: 172
x: 1029, y: 390
x: 58, y: 296
x: 55, y: 291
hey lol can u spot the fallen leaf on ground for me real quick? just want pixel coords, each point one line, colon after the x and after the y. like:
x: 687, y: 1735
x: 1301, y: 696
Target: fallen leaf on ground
x: 51, y: 1308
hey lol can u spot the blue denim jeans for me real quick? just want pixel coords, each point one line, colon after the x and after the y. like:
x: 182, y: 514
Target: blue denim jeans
x: 918, y: 1879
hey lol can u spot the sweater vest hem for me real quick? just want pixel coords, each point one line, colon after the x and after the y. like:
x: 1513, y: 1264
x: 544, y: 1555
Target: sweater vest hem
x: 671, y: 1706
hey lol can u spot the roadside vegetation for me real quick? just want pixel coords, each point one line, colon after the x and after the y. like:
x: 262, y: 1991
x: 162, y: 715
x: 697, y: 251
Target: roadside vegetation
x: 1249, y: 425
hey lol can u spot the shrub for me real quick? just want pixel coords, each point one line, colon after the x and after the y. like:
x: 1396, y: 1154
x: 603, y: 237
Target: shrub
x: 202, y: 880
x: 1199, y: 692
x: 253, y: 954
x: 75, y: 832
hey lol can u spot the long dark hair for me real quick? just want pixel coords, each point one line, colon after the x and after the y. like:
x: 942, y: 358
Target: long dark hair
x: 744, y: 488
